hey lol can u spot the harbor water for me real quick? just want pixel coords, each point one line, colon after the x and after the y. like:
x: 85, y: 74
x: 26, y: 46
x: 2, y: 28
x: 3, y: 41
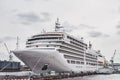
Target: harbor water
x: 97, y: 77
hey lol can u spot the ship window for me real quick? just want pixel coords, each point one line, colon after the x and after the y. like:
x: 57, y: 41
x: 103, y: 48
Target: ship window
x: 36, y: 45
x: 82, y: 62
x: 68, y: 61
x: 72, y: 62
x: 89, y: 63
x: 77, y: 62
x: 28, y: 43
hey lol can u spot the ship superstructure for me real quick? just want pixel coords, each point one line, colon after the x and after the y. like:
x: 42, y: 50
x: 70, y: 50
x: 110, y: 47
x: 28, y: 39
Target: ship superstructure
x: 58, y: 51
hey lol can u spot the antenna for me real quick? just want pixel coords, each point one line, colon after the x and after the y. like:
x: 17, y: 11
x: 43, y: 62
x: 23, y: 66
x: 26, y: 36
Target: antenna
x: 43, y: 31
x: 58, y: 20
x: 10, y: 55
x: 90, y: 45
x: 17, y: 43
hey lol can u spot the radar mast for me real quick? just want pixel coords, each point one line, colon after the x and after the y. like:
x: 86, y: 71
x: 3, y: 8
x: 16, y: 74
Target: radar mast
x: 58, y: 27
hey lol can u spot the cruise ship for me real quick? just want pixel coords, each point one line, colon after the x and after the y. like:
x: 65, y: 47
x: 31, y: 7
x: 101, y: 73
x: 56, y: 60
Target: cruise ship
x: 59, y: 51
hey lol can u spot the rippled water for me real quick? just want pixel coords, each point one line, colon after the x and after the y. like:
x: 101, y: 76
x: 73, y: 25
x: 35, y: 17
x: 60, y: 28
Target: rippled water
x: 97, y: 77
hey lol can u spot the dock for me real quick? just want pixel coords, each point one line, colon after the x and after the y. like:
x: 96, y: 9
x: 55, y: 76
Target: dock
x: 49, y: 77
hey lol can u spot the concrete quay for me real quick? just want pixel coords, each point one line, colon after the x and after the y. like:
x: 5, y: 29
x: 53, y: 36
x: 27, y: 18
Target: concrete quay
x: 49, y: 77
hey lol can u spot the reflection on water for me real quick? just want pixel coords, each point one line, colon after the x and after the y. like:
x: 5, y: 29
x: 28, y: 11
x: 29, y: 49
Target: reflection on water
x: 97, y: 77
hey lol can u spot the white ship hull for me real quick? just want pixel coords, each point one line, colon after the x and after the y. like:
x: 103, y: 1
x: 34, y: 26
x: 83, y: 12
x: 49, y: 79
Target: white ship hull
x: 37, y: 58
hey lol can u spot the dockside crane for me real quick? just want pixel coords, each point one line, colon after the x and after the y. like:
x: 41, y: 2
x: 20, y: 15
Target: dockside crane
x: 112, y: 58
x: 10, y: 55
x: 10, y: 52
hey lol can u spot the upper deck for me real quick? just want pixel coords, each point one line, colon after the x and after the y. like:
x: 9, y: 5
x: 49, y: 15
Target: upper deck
x: 55, y: 37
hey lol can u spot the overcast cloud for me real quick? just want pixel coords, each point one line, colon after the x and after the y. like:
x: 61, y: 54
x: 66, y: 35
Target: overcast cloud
x: 30, y: 17
x: 95, y: 20
x: 118, y: 32
x: 118, y: 26
x: 96, y: 34
x: 7, y: 38
x: 84, y: 26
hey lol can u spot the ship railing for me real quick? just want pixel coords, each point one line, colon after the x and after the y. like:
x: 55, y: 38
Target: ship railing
x: 57, y: 36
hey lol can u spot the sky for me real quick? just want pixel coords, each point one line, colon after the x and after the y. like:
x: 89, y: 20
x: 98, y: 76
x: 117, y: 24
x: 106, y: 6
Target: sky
x: 97, y: 21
